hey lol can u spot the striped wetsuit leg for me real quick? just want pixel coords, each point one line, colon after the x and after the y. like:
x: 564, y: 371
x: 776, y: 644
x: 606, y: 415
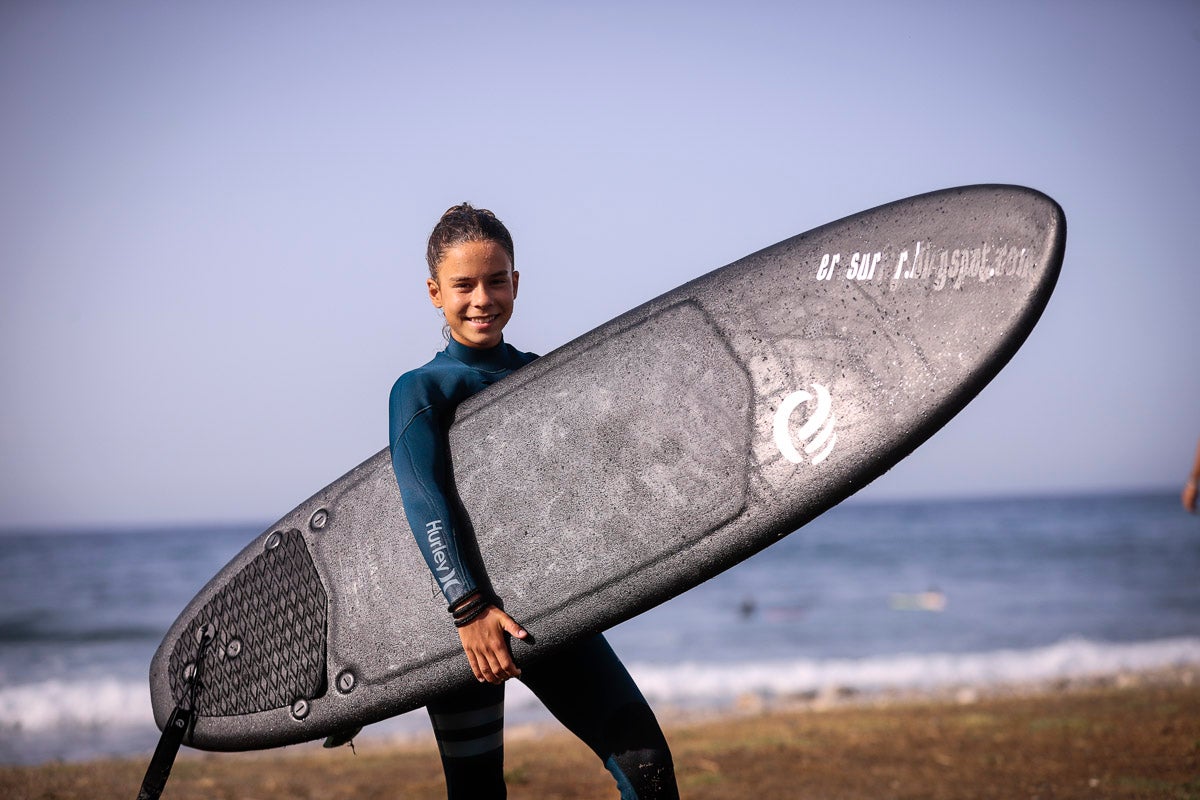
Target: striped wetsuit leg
x: 469, y: 726
x: 589, y: 690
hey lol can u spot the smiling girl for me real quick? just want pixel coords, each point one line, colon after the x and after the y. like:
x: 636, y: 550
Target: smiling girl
x: 473, y: 282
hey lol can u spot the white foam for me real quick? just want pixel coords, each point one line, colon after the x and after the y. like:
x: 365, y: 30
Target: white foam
x: 42, y: 721
x: 706, y: 684
x: 56, y: 704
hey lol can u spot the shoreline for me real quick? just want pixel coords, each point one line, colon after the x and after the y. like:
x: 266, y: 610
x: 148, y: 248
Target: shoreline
x: 1130, y: 734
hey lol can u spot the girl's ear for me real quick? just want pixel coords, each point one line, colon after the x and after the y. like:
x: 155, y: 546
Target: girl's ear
x: 435, y: 292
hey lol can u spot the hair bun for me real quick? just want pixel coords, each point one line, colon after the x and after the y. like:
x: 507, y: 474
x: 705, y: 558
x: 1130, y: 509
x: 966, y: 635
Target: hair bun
x: 465, y: 223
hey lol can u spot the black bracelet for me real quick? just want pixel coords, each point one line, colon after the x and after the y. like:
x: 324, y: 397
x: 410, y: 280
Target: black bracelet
x: 474, y: 601
x: 467, y: 619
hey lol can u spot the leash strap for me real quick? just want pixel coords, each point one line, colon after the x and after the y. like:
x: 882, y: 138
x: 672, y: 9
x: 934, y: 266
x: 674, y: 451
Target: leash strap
x: 179, y: 724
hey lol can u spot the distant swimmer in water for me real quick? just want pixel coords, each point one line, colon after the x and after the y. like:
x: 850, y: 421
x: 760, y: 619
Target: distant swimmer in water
x: 930, y: 600
x: 1189, y: 488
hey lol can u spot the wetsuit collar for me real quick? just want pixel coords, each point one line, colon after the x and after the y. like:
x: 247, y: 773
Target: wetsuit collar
x: 491, y: 358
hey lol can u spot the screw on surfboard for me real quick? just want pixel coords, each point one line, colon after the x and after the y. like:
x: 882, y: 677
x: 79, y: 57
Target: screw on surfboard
x: 179, y: 724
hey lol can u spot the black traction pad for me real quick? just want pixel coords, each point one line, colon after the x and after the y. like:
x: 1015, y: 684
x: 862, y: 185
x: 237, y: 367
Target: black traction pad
x: 268, y: 629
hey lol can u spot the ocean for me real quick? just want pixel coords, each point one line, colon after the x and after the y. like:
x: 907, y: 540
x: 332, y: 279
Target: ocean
x: 872, y: 596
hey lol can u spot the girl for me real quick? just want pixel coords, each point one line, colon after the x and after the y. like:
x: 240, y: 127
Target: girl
x: 472, y: 280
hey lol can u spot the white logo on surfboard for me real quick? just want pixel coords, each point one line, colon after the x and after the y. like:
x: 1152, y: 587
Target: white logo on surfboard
x: 816, y: 436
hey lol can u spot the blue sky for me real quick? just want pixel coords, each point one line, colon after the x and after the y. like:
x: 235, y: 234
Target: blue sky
x: 213, y: 216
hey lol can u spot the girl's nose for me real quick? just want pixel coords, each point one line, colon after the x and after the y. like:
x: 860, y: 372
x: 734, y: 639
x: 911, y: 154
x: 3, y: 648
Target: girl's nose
x: 481, y: 296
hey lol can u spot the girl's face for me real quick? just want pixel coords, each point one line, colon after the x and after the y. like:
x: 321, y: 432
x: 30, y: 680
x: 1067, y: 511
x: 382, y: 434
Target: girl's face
x: 475, y: 288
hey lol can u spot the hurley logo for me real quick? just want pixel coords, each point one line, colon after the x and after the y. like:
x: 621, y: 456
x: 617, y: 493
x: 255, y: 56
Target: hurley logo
x: 816, y: 435
x: 437, y: 550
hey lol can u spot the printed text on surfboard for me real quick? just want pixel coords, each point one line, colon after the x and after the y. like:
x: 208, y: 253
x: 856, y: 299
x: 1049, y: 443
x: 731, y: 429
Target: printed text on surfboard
x: 921, y: 263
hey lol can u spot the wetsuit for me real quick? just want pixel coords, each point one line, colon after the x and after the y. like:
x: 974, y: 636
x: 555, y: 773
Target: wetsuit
x: 585, y: 685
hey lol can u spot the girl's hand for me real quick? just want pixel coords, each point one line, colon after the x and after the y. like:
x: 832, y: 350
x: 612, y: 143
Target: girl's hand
x: 484, y: 642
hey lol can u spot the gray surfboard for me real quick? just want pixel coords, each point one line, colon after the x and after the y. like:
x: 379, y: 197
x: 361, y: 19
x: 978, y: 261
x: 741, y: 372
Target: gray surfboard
x: 627, y: 466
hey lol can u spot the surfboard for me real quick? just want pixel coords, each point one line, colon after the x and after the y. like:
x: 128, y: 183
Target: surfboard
x: 625, y: 467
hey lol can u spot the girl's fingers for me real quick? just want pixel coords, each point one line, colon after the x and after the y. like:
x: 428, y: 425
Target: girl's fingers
x: 487, y: 649
x: 509, y: 624
x: 474, y: 662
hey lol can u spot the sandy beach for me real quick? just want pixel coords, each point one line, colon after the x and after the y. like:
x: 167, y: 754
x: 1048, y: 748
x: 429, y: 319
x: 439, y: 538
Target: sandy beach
x: 1133, y: 736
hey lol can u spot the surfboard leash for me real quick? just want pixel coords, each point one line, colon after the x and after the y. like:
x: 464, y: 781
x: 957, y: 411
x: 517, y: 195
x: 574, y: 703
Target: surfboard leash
x: 179, y: 724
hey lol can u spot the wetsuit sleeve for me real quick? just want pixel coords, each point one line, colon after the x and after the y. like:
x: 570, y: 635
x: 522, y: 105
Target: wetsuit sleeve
x: 419, y: 461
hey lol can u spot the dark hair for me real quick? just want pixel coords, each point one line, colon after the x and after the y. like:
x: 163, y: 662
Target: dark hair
x: 465, y: 223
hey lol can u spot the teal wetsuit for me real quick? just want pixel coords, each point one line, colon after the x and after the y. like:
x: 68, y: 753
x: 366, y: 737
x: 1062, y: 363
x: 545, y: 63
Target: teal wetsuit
x: 421, y: 404
x: 585, y: 685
